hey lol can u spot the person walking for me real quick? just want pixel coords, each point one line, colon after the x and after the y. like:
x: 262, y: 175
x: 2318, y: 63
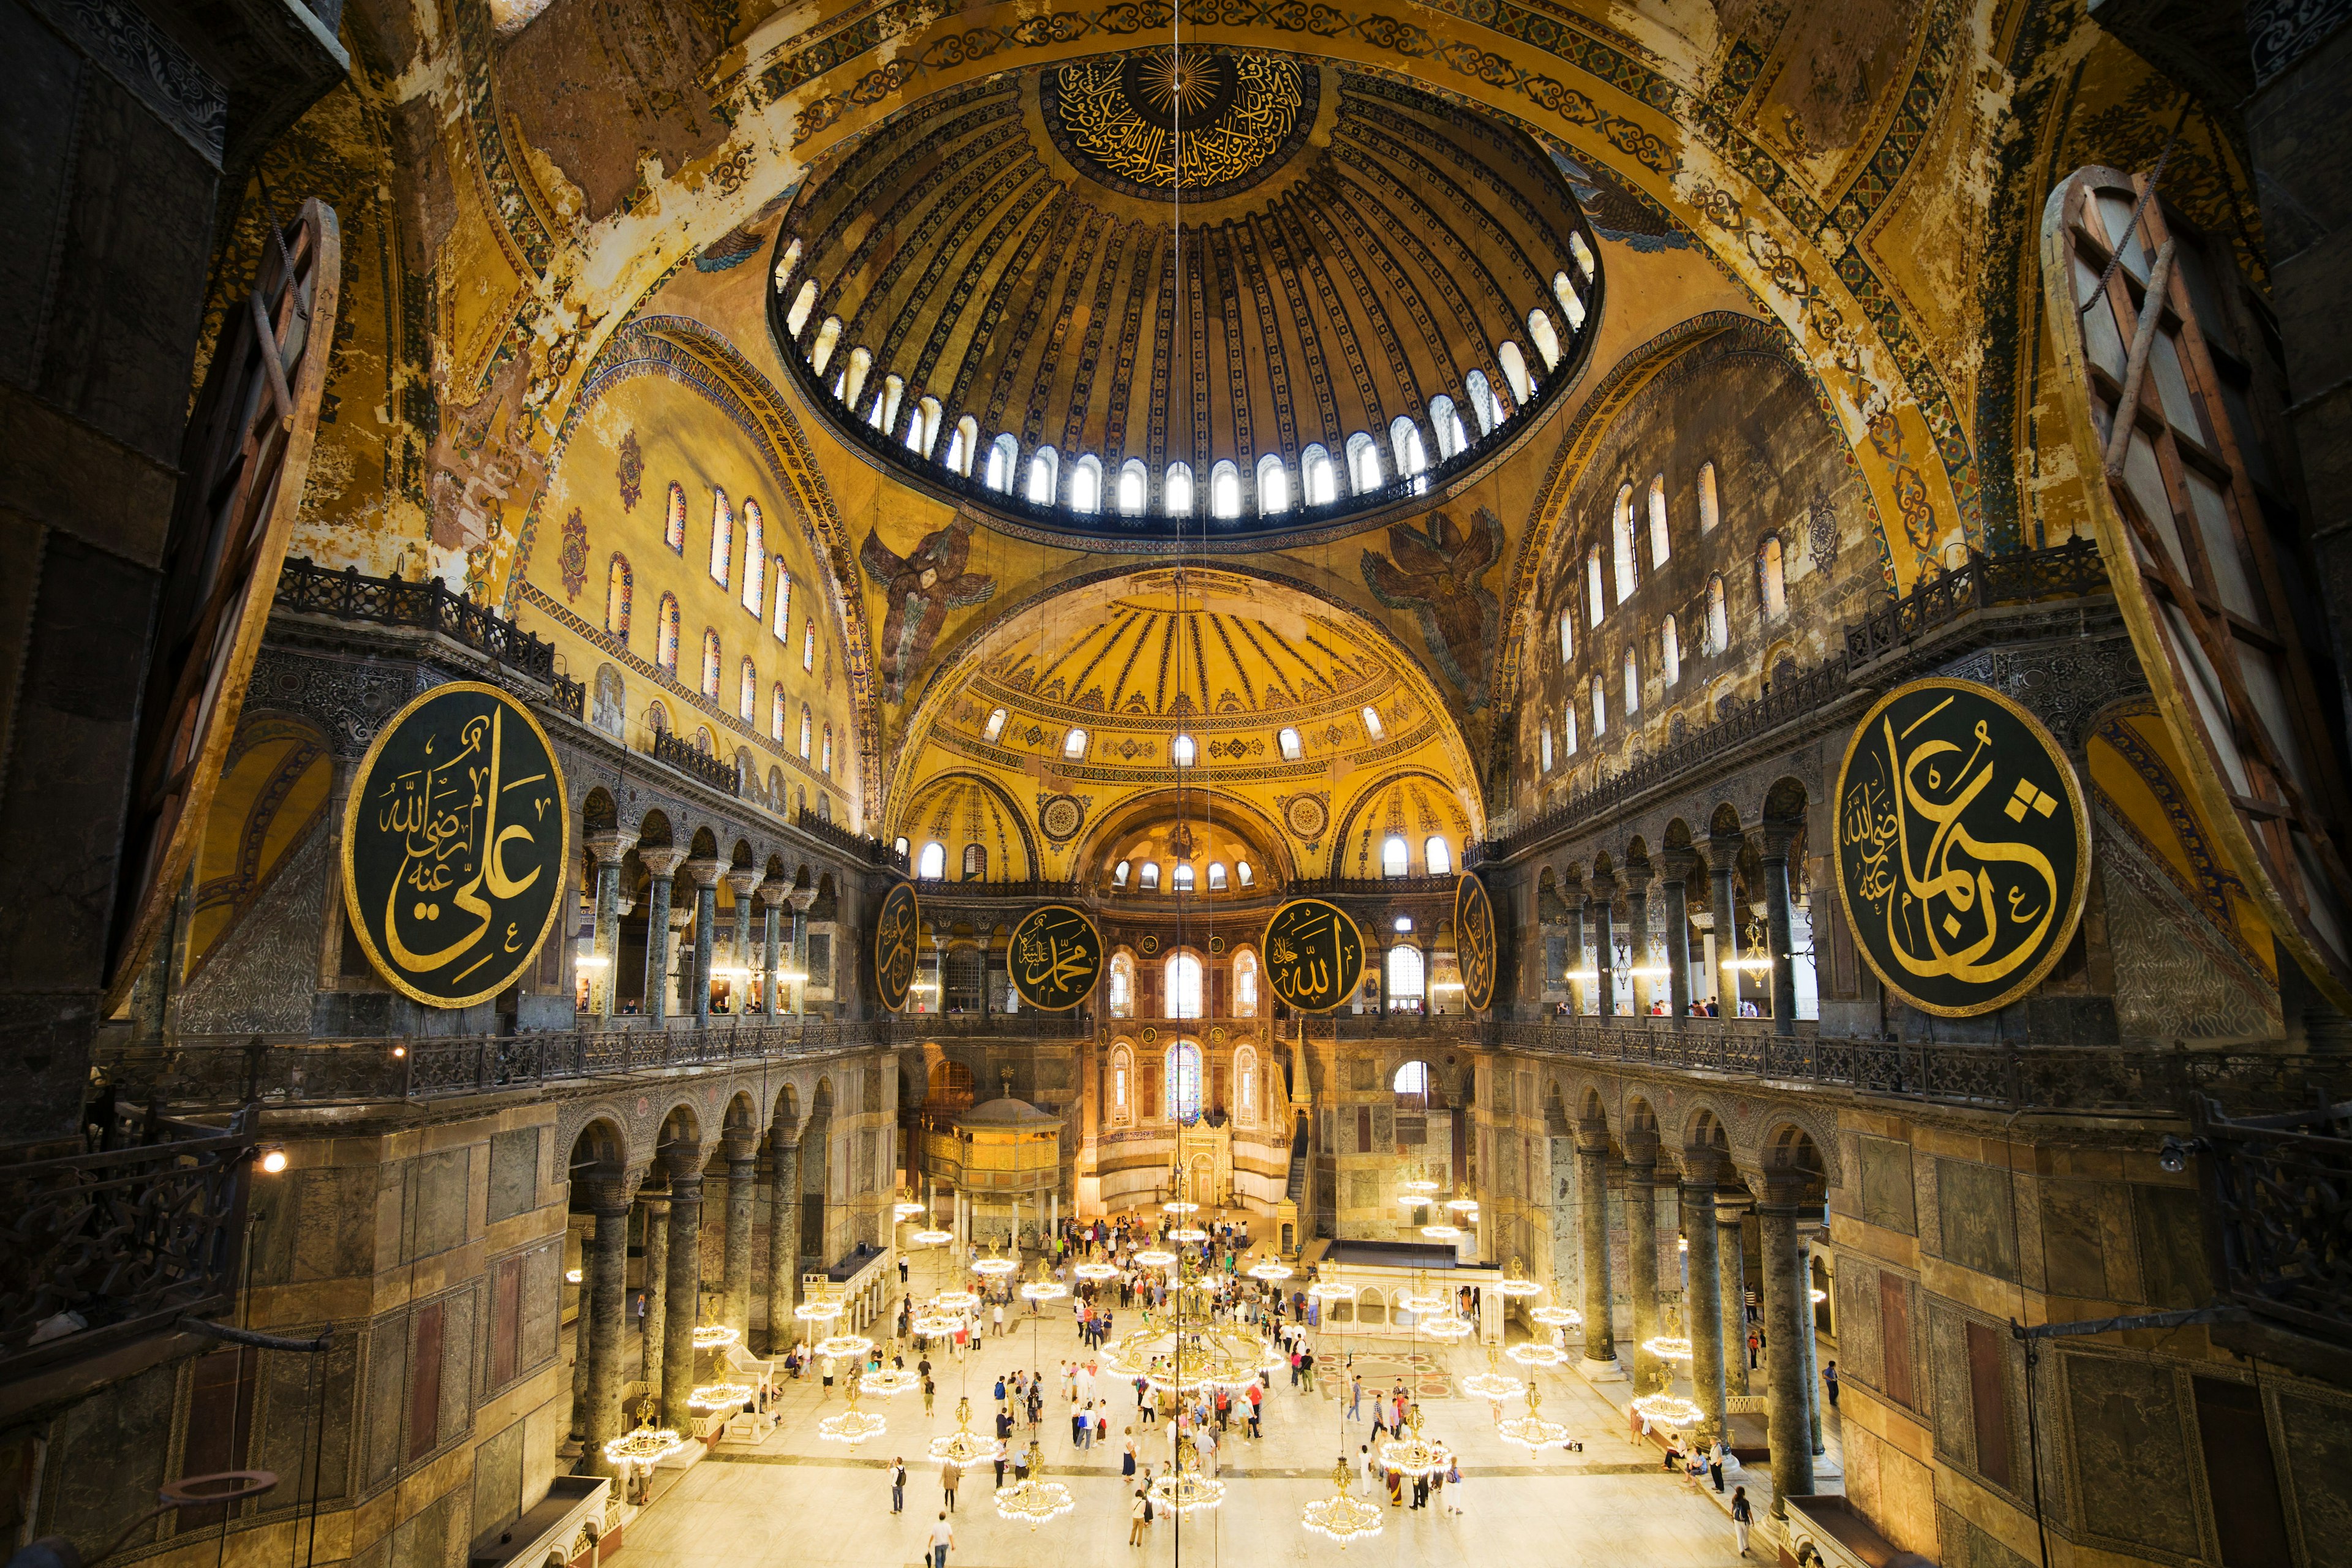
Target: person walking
x: 1127, y: 1461
x: 1714, y: 1466
x: 1355, y: 1397
x: 1830, y: 1382
x: 950, y: 1473
x: 1139, y: 1513
x: 1743, y: 1515
x: 898, y: 1486
x: 931, y: 1389
x: 942, y: 1541
x: 1754, y: 1344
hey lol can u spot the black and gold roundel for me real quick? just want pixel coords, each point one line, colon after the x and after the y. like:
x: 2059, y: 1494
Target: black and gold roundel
x: 894, y: 928
x: 1314, y: 954
x: 455, y: 844
x: 1057, y: 956
x: 1473, y: 941
x: 1963, y: 848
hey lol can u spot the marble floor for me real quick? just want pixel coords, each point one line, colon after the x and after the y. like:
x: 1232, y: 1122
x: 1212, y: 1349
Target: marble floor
x: 794, y: 1498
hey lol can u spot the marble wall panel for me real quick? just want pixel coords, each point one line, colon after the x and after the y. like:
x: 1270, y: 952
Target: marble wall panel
x: 2131, y: 1451
x: 112, y: 1454
x: 2073, y: 1239
x: 498, y: 1478
x: 2317, y: 1463
x: 1979, y: 1231
x: 514, y: 1172
x: 437, y: 1202
x: 292, y: 1404
x: 1887, y: 1198
x: 2171, y: 1246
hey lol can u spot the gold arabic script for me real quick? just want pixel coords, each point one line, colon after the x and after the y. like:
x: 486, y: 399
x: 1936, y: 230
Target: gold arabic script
x: 457, y: 830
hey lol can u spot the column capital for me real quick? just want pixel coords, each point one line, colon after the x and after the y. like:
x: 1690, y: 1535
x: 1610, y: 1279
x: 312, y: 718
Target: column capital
x: 1678, y: 862
x: 801, y: 899
x: 741, y: 1144
x: 1635, y: 870
x: 1704, y: 1166
x: 662, y: 859
x: 1641, y: 1149
x: 1599, y: 885
x: 1786, y: 1195
x: 1723, y: 849
x: 1773, y: 840
x: 742, y: 879
x: 771, y: 892
x: 606, y: 1195
x: 608, y: 845
x: 703, y: 871
x: 1591, y: 1136
x: 683, y: 1160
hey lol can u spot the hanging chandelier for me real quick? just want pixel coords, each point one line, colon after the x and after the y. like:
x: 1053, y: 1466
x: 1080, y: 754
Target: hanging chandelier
x: 958, y: 1300
x: 932, y: 1325
x: 1155, y: 1258
x: 903, y: 1210
x: 1668, y: 1347
x: 1098, y: 1272
x: 1185, y: 1490
x: 995, y: 1266
x: 842, y: 1347
x: 1035, y: 1500
x: 1494, y: 1382
x: 1339, y: 1517
x: 885, y: 1382
x: 933, y: 1237
x: 1043, y: 1288
x: 1531, y: 1431
x: 1668, y: 1410
x: 963, y: 1447
x: 646, y: 1445
x: 817, y: 1312
x: 1535, y: 1353
x: 714, y: 1336
x: 1557, y: 1317
x: 853, y: 1425
x: 1180, y: 1205
x: 1330, y: 1290
x: 1446, y: 1326
x: 1414, y: 1455
x: 722, y: 1395
x: 1515, y: 1282
x: 1271, y: 1270
x: 1441, y: 1232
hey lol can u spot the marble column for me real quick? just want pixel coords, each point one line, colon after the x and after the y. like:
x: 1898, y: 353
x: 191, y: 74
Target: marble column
x: 703, y: 871
x: 1785, y: 1311
x: 1722, y: 865
x: 1573, y: 896
x: 1809, y: 1338
x: 742, y: 1185
x: 653, y: 1201
x: 661, y: 865
x: 681, y: 978
x: 1703, y: 1289
x: 1776, y: 931
x: 684, y: 1283
x: 579, y: 1327
x: 1642, y: 1254
x: 740, y: 881
x: 1732, y: 1259
x: 783, y: 1234
x: 1674, y: 890
x: 608, y: 845
x: 802, y: 901
x: 1603, y: 887
x: 1592, y: 1200
x: 1639, y: 956
x: 772, y: 898
x: 605, y: 1268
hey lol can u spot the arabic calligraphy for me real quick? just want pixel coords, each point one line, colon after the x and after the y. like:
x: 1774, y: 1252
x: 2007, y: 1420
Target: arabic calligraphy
x: 894, y: 928
x: 1473, y: 941
x: 1962, y: 845
x: 454, y: 842
x: 1314, y: 954
x: 1237, y: 114
x: 1056, y: 955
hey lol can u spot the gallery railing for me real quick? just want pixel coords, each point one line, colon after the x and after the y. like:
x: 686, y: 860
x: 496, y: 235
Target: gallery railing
x: 690, y: 759
x: 2278, y: 1194
x: 429, y: 606
x: 871, y: 851
x: 101, y: 1248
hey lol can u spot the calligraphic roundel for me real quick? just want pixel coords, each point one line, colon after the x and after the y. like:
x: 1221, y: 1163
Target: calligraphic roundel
x: 896, y: 926
x: 1056, y: 955
x: 456, y: 841
x: 1314, y: 954
x: 1473, y: 941
x: 1963, y: 846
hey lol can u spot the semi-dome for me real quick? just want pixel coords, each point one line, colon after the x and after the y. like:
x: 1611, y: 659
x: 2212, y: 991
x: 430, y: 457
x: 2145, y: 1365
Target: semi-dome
x: 1212, y: 294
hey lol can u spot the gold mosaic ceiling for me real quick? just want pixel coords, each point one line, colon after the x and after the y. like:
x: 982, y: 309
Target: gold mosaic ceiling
x: 1000, y: 266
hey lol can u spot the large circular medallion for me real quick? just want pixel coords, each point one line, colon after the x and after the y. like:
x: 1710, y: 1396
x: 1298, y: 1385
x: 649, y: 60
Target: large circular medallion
x: 1215, y: 119
x: 1963, y: 846
x: 1314, y: 954
x: 1473, y: 941
x: 896, y: 925
x: 454, y: 843
x: 1306, y: 816
x: 1056, y: 955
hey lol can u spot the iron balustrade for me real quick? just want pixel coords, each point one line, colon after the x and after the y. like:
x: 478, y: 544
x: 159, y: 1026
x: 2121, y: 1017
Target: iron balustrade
x: 429, y: 605
x: 695, y: 763
x: 2278, y: 1199
x: 849, y: 841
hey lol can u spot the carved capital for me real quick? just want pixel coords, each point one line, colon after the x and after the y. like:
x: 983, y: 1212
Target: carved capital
x: 609, y: 845
x: 1677, y: 863
x: 801, y: 899
x: 604, y: 1193
x: 703, y: 871
x: 1704, y: 1167
x: 742, y: 879
x: 771, y: 892
x: 662, y: 861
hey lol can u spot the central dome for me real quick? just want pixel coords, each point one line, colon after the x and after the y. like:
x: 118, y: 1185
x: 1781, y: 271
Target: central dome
x: 1232, y: 297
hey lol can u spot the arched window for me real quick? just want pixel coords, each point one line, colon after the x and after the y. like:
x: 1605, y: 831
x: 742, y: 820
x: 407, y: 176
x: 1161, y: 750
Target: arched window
x: 1708, y: 512
x: 657, y: 718
x: 1003, y: 457
x: 1567, y: 636
x: 933, y: 867
x: 755, y: 558
x: 886, y: 416
x: 963, y: 447
x: 674, y: 520
x: 1583, y: 254
x: 897, y: 846
x: 1224, y: 489
x: 802, y: 303
x: 1122, y: 985
x: 808, y: 645
x: 1085, y: 484
x: 1074, y: 744
x: 712, y: 660
x: 1180, y: 751
x: 1372, y: 718
x: 1184, y: 1079
x: 1176, y: 491
x: 975, y: 862
x: 1045, y: 476
x: 1183, y: 995
x: 923, y: 430
x: 1320, y: 481
x: 1288, y: 742
x: 1600, y: 708
x: 808, y: 724
x: 1183, y: 877
x: 1363, y: 463
x: 778, y: 707
x: 861, y: 366
x: 1632, y: 682
x: 1670, y: 651
x: 1243, y: 874
x: 1122, y: 1068
x: 1396, y: 855
x: 1148, y: 879
x: 1216, y: 876
x: 1404, y: 440
x: 620, y: 588
x: 1244, y: 1079
x: 1515, y: 372
x: 1547, y: 341
x: 1437, y: 856
x: 1719, y: 617
x: 1406, y: 983
x: 828, y: 338
x: 1134, y: 488
x: 824, y: 764
x: 1660, y: 547
x: 784, y: 603
x: 1273, y: 485
x: 1446, y: 425
x: 1768, y: 573
x: 996, y: 717
x: 1245, y: 985
x: 1568, y: 734
x: 1545, y: 764
x: 1119, y: 875
x: 1597, y: 603
x: 747, y: 692
x: 1621, y: 528
x: 1482, y: 402
x: 1563, y: 293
